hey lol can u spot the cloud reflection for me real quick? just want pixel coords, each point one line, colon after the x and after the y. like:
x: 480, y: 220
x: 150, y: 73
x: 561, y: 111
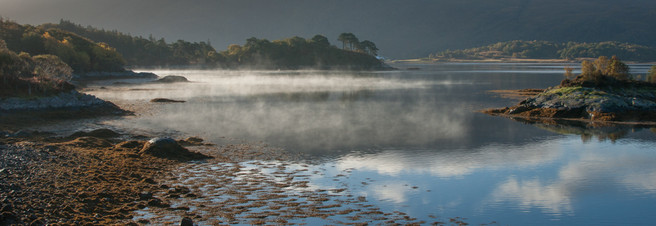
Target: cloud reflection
x: 454, y: 163
x: 601, y: 169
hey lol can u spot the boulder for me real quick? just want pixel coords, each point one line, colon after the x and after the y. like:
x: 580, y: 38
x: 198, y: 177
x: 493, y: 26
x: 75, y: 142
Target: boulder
x: 172, y: 79
x: 165, y: 147
x: 99, y: 133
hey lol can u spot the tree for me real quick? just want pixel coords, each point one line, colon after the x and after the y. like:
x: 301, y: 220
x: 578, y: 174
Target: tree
x: 617, y: 69
x: 320, y: 41
x: 651, y: 76
x: 348, y: 39
x: 369, y: 47
x: 51, y: 67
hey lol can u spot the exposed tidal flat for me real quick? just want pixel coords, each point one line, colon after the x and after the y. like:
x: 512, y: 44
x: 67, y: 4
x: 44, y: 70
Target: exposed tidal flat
x: 334, y: 147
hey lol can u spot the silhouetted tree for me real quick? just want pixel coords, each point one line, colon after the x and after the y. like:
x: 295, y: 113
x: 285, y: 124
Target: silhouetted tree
x: 368, y: 47
x: 320, y: 40
x: 348, y: 39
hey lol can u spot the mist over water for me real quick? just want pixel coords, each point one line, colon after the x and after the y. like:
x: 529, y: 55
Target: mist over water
x: 412, y: 141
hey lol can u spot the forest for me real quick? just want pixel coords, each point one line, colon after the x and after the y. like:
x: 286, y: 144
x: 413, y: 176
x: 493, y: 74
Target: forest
x: 297, y: 53
x: 290, y: 53
x: 551, y: 50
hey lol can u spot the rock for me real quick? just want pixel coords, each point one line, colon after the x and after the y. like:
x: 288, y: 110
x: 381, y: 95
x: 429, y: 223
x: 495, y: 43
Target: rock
x: 171, y: 79
x: 72, y: 99
x: 165, y: 147
x: 20, y: 134
x: 186, y: 222
x: 158, y: 203
x: 164, y: 100
x: 191, y: 141
x: 129, y: 145
x: 99, y: 133
x: 145, y: 196
x: 89, y: 142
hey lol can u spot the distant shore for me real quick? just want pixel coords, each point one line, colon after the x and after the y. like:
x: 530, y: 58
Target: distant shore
x: 500, y: 60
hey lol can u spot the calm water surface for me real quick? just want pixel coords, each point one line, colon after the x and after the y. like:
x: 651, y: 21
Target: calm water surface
x: 416, y: 141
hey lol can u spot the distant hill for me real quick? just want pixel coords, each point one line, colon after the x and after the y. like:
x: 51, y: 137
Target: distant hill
x: 550, y: 50
x: 472, y: 23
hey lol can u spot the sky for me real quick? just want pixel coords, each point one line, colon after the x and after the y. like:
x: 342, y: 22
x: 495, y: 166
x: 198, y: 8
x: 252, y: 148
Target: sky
x: 401, y: 29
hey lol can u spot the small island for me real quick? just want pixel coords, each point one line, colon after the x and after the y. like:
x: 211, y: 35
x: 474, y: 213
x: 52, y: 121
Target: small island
x: 604, y: 91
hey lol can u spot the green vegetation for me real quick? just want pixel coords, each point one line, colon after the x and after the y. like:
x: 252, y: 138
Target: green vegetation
x: 25, y: 75
x: 609, y: 73
x: 139, y: 51
x: 550, y: 50
x: 80, y: 53
x: 291, y: 53
x: 297, y: 52
x: 651, y: 75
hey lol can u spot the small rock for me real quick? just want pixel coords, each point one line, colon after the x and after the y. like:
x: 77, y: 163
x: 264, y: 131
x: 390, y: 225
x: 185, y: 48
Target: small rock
x: 164, y: 100
x: 158, y: 203
x: 186, y: 222
x: 145, y: 196
x: 172, y: 79
x: 149, y: 180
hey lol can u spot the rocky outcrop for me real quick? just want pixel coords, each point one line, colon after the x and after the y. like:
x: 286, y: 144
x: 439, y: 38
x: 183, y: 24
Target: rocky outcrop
x: 113, y: 75
x: 171, y: 79
x: 72, y: 99
x: 609, y: 103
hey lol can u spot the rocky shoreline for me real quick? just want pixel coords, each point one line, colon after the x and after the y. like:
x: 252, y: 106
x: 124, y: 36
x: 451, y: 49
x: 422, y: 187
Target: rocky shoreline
x: 105, y: 177
x: 86, y: 178
x: 624, y: 102
x: 71, y: 99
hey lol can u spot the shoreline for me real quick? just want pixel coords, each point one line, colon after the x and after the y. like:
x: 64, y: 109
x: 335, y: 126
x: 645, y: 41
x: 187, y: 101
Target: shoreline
x: 98, y: 177
x: 501, y: 60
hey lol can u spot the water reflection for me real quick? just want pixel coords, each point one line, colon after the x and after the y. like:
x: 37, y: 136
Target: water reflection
x: 588, y: 131
x: 412, y: 141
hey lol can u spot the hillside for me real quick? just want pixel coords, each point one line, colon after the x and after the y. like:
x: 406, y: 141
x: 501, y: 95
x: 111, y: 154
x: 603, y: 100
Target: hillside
x: 139, y: 51
x: 290, y: 53
x: 81, y: 54
x: 550, y: 50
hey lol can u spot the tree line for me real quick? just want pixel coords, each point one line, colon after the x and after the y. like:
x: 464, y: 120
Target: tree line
x: 292, y: 52
x: 297, y: 52
x: 551, y: 50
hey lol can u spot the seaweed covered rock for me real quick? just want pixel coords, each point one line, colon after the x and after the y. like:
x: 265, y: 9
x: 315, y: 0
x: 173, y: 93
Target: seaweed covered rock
x: 165, y: 147
x: 99, y: 133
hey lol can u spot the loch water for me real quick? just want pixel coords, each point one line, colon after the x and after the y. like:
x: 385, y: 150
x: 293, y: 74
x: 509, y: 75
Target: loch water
x: 413, y: 140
